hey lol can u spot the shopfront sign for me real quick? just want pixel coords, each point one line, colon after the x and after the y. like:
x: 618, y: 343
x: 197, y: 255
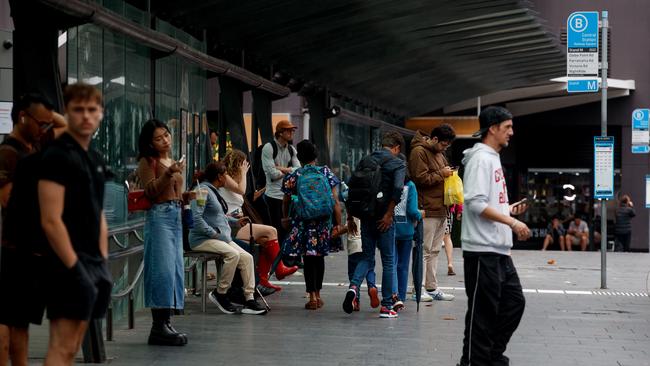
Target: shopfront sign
x: 640, y: 133
x: 582, y: 52
x: 604, y: 167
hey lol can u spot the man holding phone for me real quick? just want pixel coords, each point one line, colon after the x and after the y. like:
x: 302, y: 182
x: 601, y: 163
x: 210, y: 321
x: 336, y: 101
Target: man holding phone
x: 429, y: 168
x: 495, y: 300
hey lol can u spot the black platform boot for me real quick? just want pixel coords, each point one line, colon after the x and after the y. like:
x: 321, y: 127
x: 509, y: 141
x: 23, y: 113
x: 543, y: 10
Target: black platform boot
x: 162, y: 333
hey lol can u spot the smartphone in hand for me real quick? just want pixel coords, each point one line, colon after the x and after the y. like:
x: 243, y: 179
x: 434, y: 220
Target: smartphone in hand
x: 182, y: 159
x: 519, y: 203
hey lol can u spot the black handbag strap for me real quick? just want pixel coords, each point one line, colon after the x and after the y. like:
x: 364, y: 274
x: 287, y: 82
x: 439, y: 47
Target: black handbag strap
x: 223, y: 203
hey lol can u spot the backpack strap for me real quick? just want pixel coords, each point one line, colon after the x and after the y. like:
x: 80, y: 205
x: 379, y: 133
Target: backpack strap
x: 275, y: 147
x: 223, y: 203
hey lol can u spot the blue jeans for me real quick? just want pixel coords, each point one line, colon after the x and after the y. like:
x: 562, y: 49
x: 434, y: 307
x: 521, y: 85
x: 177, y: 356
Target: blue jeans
x: 164, y: 272
x: 402, y: 260
x: 371, y: 239
x: 353, y: 260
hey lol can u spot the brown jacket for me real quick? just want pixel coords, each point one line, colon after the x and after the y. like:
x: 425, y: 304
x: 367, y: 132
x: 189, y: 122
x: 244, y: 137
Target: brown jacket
x: 425, y: 167
x: 161, y: 186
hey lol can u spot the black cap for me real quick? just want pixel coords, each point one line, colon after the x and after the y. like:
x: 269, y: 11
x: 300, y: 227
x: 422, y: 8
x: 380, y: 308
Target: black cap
x: 491, y: 116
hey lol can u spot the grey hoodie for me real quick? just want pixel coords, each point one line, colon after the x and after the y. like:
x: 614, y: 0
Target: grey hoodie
x: 484, y: 185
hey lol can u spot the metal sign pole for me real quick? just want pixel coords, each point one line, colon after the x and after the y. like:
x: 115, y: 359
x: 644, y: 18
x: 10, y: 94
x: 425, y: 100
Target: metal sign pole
x: 603, y: 127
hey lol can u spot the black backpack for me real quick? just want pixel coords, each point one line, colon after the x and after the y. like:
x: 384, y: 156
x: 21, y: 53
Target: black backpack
x: 364, y: 187
x: 258, y: 170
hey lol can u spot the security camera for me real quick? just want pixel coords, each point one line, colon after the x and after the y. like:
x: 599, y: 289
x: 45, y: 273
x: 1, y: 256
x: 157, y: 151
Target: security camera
x: 7, y: 44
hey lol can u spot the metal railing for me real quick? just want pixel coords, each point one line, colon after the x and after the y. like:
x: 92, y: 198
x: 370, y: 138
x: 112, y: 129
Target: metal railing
x: 125, y: 252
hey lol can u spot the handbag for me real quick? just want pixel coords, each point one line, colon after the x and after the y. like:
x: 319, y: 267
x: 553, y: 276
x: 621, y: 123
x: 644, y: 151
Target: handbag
x: 453, y: 194
x: 137, y: 200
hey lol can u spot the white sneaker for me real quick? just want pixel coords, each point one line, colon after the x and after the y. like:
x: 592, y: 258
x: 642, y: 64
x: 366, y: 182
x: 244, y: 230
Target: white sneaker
x: 424, y: 297
x: 440, y: 296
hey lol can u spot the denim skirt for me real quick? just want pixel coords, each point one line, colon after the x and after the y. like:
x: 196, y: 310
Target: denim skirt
x: 164, y: 274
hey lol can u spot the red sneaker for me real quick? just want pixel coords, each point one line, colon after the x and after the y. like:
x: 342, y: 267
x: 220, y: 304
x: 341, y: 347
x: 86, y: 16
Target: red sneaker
x: 374, y: 297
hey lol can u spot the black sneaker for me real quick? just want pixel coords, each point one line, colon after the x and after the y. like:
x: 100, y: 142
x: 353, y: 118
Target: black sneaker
x: 350, y: 299
x: 236, y: 298
x: 222, y: 302
x: 265, y: 291
x: 253, y: 308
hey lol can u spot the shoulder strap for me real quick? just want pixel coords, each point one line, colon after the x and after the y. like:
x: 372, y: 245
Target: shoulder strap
x: 223, y: 203
x: 275, y: 152
x: 274, y: 145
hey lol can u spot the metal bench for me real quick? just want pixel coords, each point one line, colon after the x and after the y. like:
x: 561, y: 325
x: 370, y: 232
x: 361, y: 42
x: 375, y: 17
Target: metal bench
x: 203, y: 258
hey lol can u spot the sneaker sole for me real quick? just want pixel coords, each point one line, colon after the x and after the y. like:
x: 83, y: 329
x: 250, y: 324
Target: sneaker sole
x: 442, y: 298
x: 216, y: 302
x: 374, y: 297
x: 349, y: 299
x: 388, y: 316
x: 253, y: 312
x: 423, y: 299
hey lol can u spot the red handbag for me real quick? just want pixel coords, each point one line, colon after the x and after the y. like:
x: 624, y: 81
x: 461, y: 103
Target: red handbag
x: 137, y: 200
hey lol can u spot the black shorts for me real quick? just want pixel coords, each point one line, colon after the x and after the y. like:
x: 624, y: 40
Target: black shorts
x: 82, y: 292
x: 19, y: 272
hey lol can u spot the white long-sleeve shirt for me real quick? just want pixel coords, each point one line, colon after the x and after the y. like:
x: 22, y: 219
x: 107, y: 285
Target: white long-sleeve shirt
x: 273, y: 175
x: 484, y: 185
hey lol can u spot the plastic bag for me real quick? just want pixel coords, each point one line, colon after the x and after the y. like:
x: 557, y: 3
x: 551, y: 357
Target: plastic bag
x: 453, y: 190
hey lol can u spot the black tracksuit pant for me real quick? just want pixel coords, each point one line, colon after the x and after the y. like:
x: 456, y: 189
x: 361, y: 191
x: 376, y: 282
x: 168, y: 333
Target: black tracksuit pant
x: 495, y: 305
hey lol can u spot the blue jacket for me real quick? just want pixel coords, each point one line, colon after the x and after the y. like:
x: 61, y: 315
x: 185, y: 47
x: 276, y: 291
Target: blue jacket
x: 210, y: 222
x: 407, y: 213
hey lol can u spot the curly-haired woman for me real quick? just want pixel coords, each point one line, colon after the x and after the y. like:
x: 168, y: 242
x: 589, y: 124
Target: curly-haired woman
x: 267, y: 236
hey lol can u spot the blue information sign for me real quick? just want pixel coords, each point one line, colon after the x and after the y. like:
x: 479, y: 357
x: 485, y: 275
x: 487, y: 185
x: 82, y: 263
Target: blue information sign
x: 582, y: 85
x: 604, y: 167
x: 582, y: 52
x: 640, y: 134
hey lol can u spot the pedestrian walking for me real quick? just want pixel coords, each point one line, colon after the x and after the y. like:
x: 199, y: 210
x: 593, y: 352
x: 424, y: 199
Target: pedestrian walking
x: 375, y: 189
x: 495, y: 300
x: 311, y: 227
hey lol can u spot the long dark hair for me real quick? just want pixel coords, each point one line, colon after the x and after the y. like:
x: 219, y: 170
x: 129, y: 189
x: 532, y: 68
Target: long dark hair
x: 145, y: 140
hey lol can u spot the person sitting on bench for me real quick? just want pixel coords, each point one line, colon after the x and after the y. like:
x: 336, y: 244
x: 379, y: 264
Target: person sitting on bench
x: 265, y: 235
x: 211, y: 233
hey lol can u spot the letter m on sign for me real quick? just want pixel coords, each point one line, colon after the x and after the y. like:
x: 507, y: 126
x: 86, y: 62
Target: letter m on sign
x: 592, y: 85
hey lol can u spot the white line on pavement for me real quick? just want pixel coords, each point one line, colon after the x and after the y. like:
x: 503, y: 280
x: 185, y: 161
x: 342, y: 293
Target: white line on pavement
x: 526, y: 290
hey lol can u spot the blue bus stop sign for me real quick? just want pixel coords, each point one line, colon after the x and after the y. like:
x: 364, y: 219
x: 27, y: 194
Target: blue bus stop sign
x: 582, y: 52
x: 640, y: 132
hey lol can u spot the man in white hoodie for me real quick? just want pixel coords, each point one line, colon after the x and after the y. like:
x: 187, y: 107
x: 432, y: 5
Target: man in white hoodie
x: 495, y: 297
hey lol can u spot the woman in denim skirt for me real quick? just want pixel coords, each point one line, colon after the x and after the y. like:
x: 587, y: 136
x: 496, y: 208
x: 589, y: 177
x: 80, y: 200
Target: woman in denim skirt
x: 162, y: 179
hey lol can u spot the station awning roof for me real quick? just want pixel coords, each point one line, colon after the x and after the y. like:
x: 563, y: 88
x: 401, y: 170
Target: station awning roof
x: 409, y: 56
x: 543, y: 97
